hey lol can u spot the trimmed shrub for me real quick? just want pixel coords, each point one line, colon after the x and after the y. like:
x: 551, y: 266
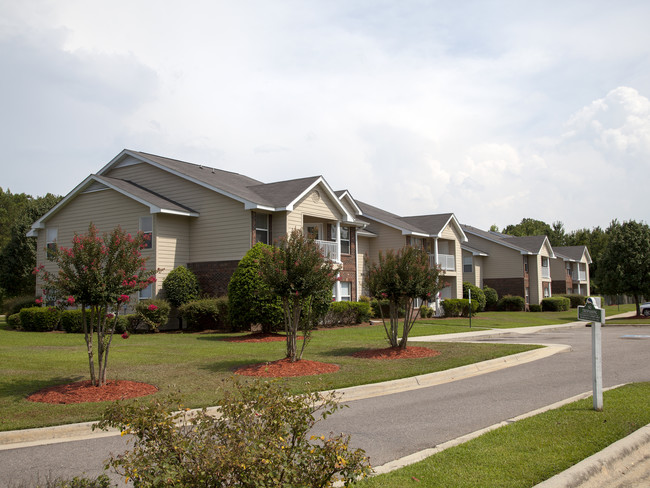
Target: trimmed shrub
x: 556, y: 304
x: 576, y: 300
x: 14, y: 321
x: 376, y: 313
x: 39, y: 319
x: 491, y: 298
x: 346, y: 313
x: 153, y: 313
x: 477, y: 294
x: 249, y: 298
x: 71, y: 321
x: 458, y: 307
x: 535, y: 308
x: 426, y: 312
x: 181, y: 286
x: 201, y: 314
x: 511, y: 303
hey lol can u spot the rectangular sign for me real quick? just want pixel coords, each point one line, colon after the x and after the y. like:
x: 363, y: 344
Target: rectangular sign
x: 589, y: 313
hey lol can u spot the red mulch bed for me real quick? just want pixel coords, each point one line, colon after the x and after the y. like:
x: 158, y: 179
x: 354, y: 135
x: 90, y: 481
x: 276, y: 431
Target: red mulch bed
x: 84, y: 391
x: 284, y: 368
x: 410, y: 352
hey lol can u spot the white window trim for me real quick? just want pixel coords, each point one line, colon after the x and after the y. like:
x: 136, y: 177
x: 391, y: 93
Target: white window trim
x: 48, y: 236
x: 148, y: 290
x: 150, y: 217
x: 257, y: 229
x: 319, y: 225
x: 345, y: 240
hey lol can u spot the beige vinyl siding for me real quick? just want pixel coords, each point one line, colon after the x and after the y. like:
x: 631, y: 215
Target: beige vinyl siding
x: 503, y: 261
x: 106, y: 209
x: 223, y: 229
x: 387, y: 238
x: 172, y: 234
x: 312, y: 208
x: 453, y: 247
x: 471, y: 277
x: 535, y: 278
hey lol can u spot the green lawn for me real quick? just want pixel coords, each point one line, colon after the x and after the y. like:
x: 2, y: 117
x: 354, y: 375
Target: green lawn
x: 532, y: 450
x: 195, y: 365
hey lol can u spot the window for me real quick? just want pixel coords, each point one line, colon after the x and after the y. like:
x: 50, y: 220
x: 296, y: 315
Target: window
x: 262, y: 228
x: 417, y: 242
x: 544, y: 262
x: 52, y: 234
x: 547, y: 291
x: 525, y: 264
x: 146, y: 227
x: 315, y: 231
x: 147, y: 293
x: 527, y: 295
x: 345, y: 240
x: 346, y: 291
x: 467, y: 265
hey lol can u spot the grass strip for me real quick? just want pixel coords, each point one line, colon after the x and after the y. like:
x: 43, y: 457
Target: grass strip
x: 531, y: 450
x: 195, y: 365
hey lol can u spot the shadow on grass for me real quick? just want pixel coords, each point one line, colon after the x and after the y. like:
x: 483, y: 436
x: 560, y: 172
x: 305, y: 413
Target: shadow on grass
x: 348, y: 351
x: 231, y: 365
x: 19, y: 389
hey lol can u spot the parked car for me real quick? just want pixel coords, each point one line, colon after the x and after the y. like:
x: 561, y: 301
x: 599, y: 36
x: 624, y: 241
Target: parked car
x: 645, y: 309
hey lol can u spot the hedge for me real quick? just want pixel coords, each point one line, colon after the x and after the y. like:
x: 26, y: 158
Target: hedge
x: 477, y: 295
x: 14, y: 321
x: 491, y: 298
x: 346, y: 313
x: 511, y: 303
x: 535, y: 308
x: 205, y: 313
x: 576, y: 300
x: 72, y: 324
x: 556, y: 304
x: 39, y: 319
x: 374, y: 304
x: 153, y: 314
x: 458, y: 307
x: 426, y: 312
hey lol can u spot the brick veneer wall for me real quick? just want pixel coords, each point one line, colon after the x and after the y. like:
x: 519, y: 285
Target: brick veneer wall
x: 214, y: 276
x: 506, y: 286
x: 349, y: 270
x: 559, y: 286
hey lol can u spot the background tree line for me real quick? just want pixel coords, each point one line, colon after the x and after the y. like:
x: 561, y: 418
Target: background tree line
x: 18, y: 211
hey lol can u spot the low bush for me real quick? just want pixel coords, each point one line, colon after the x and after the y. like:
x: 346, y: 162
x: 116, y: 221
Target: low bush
x: 346, y: 313
x: 477, y: 294
x: 181, y: 286
x: 458, y: 307
x: 511, y: 303
x: 261, y: 439
x: 491, y: 298
x: 201, y: 314
x: 377, y: 313
x: 576, y: 300
x: 102, y: 481
x: 556, y: 304
x: 535, y: 308
x: 71, y: 321
x: 39, y: 319
x: 426, y: 312
x: 14, y: 321
x: 153, y: 314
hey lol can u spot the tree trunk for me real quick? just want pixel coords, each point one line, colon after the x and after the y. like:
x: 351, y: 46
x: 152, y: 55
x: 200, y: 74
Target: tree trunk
x: 394, y: 323
x: 88, y: 335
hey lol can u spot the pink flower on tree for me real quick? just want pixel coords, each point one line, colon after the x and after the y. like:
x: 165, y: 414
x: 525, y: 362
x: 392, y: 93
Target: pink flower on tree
x: 123, y: 299
x: 39, y: 301
x: 70, y: 300
x: 152, y: 307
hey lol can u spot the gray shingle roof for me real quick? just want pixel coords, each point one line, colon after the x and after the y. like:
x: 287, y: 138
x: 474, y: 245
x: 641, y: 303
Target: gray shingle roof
x: 572, y: 253
x: 527, y: 244
x: 391, y: 219
x: 431, y: 224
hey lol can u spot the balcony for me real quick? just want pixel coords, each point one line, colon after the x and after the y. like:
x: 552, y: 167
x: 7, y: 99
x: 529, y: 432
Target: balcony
x: 447, y: 262
x: 579, y: 276
x: 329, y: 250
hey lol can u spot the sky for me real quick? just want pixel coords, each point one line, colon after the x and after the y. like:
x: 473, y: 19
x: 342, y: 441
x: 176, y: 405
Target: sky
x: 493, y: 110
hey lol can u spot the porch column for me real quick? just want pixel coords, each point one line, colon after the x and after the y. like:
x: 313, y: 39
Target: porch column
x: 337, y: 286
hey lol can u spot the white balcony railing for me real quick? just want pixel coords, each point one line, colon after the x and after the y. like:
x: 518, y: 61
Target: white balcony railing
x: 447, y: 261
x: 546, y: 272
x: 329, y: 249
x: 579, y: 276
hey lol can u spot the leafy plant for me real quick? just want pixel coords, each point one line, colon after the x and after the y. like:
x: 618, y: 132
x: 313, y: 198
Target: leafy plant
x: 458, y: 307
x: 556, y: 304
x: 99, y: 274
x: 153, y: 313
x: 261, y: 438
x: 402, y: 277
x: 39, y: 319
x: 201, y: 314
x: 299, y: 274
x: 491, y: 298
x: 181, y: 286
x: 248, y: 295
x: 511, y: 303
x: 477, y: 294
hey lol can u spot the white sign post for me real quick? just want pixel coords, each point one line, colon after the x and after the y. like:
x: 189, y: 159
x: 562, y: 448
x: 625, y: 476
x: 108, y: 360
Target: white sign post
x: 596, y: 315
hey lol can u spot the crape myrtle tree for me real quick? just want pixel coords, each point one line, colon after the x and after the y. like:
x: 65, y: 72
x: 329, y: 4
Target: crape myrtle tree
x: 402, y: 277
x: 99, y: 274
x: 624, y: 266
x: 296, y: 271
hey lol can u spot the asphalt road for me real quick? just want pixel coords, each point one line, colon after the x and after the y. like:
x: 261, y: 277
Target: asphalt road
x: 392, y: 426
